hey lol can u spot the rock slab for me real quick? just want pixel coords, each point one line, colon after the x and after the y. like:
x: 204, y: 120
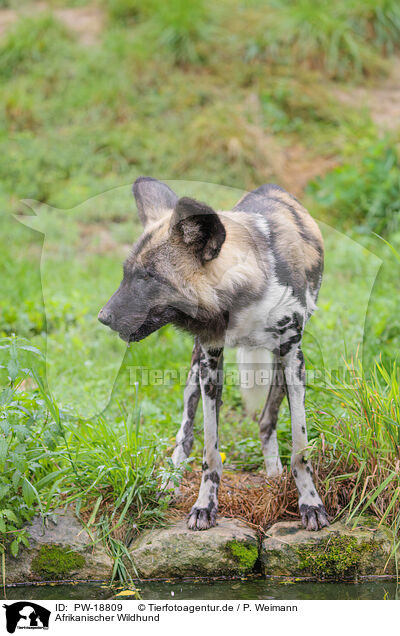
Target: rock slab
x: 338, y: 552
x: 230, y: 548
x: 61, y: 550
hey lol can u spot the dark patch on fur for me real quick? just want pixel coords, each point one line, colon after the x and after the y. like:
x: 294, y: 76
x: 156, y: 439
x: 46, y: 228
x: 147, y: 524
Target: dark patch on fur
x: 192, y: 403
x: 287, y: 346
x: 284, y: 274
x: 298, y: 321
x: 210, y: 389
x: 214, y: 353
x: 277, y: 331
x: 204, y: 324
x: 312, y: 240
x: 297, y: 325
x: 314, y: 276
x: 213, y: 476
x: 269, y: 415
x: 187, y: 442
x: 204, y: 371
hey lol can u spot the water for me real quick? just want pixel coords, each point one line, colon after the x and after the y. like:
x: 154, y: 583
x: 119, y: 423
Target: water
x: 253, y: 589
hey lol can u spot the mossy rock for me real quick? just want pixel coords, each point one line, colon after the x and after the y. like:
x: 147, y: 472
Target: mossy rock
x: 231, y: 548
x: 246, y: 553
x: 59, y: 550
x: 57, y: 562
x: 338, y: 552
x: 337, y: 557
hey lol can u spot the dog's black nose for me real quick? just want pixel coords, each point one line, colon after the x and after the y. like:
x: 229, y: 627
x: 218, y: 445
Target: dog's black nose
x: 105, y: 317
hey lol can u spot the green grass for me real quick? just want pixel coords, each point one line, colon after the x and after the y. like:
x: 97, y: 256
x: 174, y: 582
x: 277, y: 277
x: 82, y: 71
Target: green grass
x: 109, y: 469
x: 29, y: 43
x: 346, y: 39
x: 364, y: 192
x: 178, y: 29
x: 359, y: 439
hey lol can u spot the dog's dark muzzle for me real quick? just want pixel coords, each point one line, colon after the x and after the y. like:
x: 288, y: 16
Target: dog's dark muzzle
x: 105, y: 317
x: 139, y: 327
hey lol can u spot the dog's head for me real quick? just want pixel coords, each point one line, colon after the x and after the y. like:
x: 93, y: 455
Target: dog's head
x: 165, y: 277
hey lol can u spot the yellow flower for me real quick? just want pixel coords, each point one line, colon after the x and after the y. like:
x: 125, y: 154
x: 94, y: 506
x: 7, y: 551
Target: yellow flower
x: 223, y: 457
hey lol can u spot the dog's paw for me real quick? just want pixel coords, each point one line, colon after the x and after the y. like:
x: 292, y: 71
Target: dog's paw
x: 314, y: 517
x: 201, y: 518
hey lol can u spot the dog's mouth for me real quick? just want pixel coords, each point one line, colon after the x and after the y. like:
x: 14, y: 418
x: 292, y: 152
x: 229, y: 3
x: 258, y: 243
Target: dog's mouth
x: 141, y: 333
x: 149, y: 326
x: 135, y: 336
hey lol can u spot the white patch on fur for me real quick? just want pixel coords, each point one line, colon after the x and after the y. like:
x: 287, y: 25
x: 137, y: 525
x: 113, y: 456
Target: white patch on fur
x: 262, y: 224
x: 255, y: 369
x: 250, y: 324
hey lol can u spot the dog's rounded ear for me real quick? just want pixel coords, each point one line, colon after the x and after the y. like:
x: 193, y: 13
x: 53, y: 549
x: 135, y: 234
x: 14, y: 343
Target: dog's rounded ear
x: 153, y: 199
x: 198, y: 227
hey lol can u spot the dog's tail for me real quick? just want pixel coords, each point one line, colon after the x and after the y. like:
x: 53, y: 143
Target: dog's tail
x: 255, y: 370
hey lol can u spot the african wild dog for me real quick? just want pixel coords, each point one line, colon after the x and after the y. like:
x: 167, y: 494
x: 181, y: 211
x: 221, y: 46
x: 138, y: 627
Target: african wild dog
x: 245, y: 278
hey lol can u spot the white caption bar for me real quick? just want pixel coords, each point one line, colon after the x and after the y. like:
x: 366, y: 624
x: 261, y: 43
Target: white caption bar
x: 194, y: 617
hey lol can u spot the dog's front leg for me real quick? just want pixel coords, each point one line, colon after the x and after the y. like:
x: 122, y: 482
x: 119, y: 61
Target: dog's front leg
x: 312, y: 510
x: 204, y: 512
x: 191, y: 396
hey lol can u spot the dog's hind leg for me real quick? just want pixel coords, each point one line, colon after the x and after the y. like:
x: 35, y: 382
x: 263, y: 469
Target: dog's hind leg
x: 312, y: 510
x: 203, y: 514
x: 268, y: 421
x: 191, y: 396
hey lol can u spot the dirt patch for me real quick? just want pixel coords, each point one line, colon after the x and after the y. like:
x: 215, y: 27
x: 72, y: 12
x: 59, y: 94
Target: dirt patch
x: 382, y: 99
x: 85, y: 22
x: 292, y: 167
x: 299, y: 168
x: 7, y: 18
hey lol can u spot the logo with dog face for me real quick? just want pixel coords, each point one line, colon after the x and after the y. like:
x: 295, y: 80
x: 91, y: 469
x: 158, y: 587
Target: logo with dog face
x: 26, y: 615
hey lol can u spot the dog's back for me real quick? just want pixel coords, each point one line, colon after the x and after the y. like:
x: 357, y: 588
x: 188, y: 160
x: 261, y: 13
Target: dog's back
x: 293, y: 237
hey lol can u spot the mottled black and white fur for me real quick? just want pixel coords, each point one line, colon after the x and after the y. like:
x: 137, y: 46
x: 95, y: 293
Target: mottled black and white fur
x: 246, y: 278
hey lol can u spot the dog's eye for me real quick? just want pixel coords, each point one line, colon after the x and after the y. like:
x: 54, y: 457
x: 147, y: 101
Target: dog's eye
x: 146, y: 275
